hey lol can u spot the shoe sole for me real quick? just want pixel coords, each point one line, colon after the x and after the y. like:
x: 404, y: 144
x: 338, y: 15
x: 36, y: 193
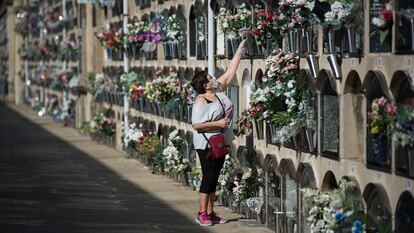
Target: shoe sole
x: 219, y: 222
x: 202, y: 224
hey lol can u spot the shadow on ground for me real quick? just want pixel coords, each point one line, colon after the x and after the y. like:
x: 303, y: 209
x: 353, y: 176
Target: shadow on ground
x: 46, y: 186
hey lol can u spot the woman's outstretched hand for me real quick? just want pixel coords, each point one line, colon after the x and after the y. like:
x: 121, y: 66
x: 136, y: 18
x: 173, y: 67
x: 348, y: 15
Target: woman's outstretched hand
x: 223, y: 123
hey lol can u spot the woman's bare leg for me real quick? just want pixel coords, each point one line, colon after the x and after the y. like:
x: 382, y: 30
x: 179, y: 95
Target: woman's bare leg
x: 204, y: 202
x: 210, y: 206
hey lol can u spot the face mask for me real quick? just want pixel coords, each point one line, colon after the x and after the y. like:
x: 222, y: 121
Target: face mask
x: 215, y: 82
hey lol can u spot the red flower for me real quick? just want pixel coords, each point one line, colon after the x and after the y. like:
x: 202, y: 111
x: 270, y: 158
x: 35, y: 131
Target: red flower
x: 387, y: 14
x: 264, y: 26
x: 261, y: 13
x: 257, y: 32
x: 269, y: 19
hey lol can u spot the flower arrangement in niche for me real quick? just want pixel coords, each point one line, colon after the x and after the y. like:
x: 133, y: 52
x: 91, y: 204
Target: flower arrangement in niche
x: 163, y: 89
x: 233, y: 24
x: 383, y: 23
x: 294, y: 14
x: 223, y: 183
x: 135, y: 29
x: 381, y: 118
x: 173, y: 156
x: 111, y: 38
x: 172, y: 29
x: 69, y: 47
x: 339, y: 210
x: 134, y: 135
x: 187, y: 94
x: 248, y: 185
x: 404, y: 125
x: 335, y: 12
x: 107, y: 126
x: 267, y: 25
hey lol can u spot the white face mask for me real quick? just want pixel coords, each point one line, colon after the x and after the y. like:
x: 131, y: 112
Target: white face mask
x: 215, y: 82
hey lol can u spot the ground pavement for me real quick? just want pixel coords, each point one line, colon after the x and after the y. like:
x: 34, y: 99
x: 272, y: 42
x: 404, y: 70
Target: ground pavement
x: 53, y: 180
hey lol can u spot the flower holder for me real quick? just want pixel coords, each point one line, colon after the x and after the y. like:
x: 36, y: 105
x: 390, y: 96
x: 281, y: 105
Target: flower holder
x: 160, y: 108
x: 350, y: 44
x: 202, y: 49
x: 181, y: 50
x: 313, y: 64
x: 141, y: 104
x: 271, y: 134
x: 189, y: 113
x: 305, y: 140
x: 293, y: 41
x: 330, y: 35
x: 232, y: 46
x: 305, y: 41
x: 259, y: 129
x: 291, y: 143
x: 109, y: 54
x: 174, y: 50
x: 113, y: 98
x: 167, y: 51
x: 130, y: 52
x: 253, y: 50
x: 335, y: 67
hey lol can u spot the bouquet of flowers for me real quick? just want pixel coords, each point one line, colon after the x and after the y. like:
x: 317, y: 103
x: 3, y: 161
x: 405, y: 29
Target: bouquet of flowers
x: 107, y: 126
x: 267, y: 26
x: 172, y: 154
x: 384, y: 22
x: 233, y: 24
x: 201, y: 30
x: 294, y: 14
x: 224, y: 178
x: 404, y: 125
x: 173, y: 29
x: 335, y: 211
x: 187, y: 94
x: 335, y: 12
x: 163, y: 89
x: 135, y: 29
x: 248, y: 185
x: 136, y: 90
x: 381, y: 117
x: 111, y: 38
x: 151, y: 31
x: 69, y: 47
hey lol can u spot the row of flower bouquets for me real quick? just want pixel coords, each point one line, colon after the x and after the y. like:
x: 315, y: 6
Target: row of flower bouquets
x: 50, y: 51
x: 181, y: 113
x: 304, y: 141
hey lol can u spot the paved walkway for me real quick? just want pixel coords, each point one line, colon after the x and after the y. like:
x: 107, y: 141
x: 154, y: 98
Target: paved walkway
x: 53, y: 180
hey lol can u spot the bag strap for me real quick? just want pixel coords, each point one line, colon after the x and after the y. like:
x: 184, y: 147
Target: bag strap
x: 224, y: 115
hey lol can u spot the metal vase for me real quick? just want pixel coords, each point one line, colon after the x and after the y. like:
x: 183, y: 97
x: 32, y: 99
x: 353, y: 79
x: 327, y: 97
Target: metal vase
x: 305, y: 41
x: 204, y: 48
x: 310, y: 140
x: 335, y: 67
x: 331, y: 40
x: 410, y: 154
x: 167, y: 51
x: 259, y: 129
x: 180, y: 49
x: 350, y: 41
x: 189, y: 113
x: 174, y: 50
x: 292, y: 40
x: 313, y: 64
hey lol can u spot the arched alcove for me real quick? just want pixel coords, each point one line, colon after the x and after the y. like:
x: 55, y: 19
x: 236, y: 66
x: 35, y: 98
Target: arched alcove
x: 288, y: 194
x: 329, y: 182
x: 404, y: 214
x: 402, y: 88
x: 353, y: 117
x: 378, y: 207
x: 329, y: 114
x: 305, y: 178
x: 307, y: 138
x: 378, y: 146
x: 272, y: 187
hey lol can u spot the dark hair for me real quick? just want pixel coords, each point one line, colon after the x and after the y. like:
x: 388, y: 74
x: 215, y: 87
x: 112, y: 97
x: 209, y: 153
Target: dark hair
x: 199, y: 80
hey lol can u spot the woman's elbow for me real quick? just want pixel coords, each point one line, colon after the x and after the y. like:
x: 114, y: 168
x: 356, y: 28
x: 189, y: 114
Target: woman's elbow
x: 195, y: 127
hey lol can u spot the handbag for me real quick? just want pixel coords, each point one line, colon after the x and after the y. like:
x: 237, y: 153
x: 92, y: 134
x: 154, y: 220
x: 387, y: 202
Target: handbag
x: 218, y: 147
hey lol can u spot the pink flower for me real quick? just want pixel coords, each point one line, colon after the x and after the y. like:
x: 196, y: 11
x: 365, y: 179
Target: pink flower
x: 259, y: 108
x: 390, y: 108
x: 381, y: 101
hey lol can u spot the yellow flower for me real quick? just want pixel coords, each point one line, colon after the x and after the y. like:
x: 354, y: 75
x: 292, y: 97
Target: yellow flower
x: 374, y: 130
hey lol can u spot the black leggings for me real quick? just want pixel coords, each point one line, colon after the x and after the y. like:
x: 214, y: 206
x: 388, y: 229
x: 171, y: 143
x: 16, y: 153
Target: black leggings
x: 211, y: 171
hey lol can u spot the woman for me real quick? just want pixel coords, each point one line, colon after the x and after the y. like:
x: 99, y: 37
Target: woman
x: 208, y: 120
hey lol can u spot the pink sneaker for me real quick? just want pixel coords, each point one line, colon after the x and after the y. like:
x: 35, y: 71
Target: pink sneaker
x: 216, y: 219
x: 203, y: 219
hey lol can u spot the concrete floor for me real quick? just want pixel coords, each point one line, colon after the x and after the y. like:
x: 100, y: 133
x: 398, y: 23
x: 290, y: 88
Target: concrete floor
x: 54, y: 180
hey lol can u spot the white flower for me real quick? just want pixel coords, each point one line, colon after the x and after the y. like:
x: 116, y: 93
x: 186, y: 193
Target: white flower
x: 378, y: 22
